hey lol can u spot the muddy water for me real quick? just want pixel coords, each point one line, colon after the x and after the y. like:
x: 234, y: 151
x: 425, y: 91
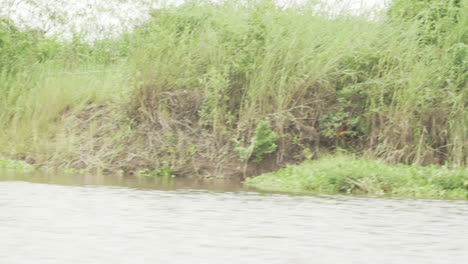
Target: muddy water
x: 99, y: 219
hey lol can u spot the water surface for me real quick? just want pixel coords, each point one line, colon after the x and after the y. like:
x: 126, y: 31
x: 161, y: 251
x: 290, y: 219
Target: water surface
x: 108, y: 219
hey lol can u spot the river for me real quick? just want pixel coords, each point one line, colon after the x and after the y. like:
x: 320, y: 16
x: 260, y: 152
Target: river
x: 47, y: 218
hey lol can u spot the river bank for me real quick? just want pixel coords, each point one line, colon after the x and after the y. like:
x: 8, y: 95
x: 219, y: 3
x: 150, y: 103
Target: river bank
x: 329, y: 175
x: 239, y: 89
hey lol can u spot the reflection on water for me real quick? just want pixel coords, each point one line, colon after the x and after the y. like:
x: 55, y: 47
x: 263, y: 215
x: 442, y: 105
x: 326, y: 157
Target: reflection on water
x: 128, y: 181
x: 102, y: 219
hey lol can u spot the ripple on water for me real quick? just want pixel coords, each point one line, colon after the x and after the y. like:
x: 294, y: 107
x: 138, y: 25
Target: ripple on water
x: 48, y: 223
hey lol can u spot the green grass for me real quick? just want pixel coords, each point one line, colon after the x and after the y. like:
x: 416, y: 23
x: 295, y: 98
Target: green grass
x: 15, y: 165
x: 365, y: 85
x: 193, y: 86
x: 346, y: 174
x: 48, y: 110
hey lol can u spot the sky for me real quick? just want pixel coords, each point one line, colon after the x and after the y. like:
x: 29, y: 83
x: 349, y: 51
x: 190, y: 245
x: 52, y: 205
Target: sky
x: 101, y: 18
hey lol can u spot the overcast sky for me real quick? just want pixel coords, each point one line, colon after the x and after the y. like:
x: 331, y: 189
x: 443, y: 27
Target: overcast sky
x: 103, y: 17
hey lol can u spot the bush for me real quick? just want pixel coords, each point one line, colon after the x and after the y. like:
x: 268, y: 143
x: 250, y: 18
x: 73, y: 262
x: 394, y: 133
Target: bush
x: 262, y: 143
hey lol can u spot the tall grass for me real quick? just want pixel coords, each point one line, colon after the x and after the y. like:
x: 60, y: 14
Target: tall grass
x: 372, y: 85
x: 196, y: 81
x: 36, y: 99
x: 42, y: 83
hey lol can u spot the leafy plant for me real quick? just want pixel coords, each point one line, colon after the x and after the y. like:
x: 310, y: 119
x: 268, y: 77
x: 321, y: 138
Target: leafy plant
x: 262, y: 143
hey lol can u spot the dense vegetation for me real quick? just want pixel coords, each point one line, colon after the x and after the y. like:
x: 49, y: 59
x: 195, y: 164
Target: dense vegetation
x: 234, y: 87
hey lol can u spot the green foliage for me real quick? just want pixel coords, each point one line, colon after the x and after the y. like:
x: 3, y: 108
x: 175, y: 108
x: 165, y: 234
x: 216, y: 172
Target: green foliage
x: 436, y: 19
x: 262, y: 143
x: 459, y: 64
x: 15, y: 165
x: 246, y: 61
x: 196, y: 77
x: 352, y: 175
x: 19, y: 47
